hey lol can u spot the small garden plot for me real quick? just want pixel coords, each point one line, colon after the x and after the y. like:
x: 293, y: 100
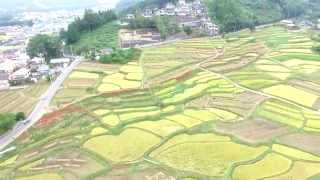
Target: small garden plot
x: 90, y: 66
x: 108, y: 87
x: 188, y: 93
x: 225, y: 116
x: 111, y: 120
x: 305, y: 51
x: 126, y: 117
x: 130, y: 145
x: 272, y: 165
x: 253, y: 131
x: 9, y: 161
x: 203, y: 115
x: 44, y: 176
x: 129, y: 77
x: 101, y: 112
x: 162, y: 127
x: 184, y: 120
x: 134, y: 76
x: 131, y: 69
x: 305, y: 141
x: 31, y: 165
x: 315, y: 124
x: 272, y: 68
x: 83, y: 75
x: 136, y: 109
x: 295, y: 153
x: 79, y: 83
x: 300, y: 170
x: 293, y: 94
x: 98, y: 131
x: 288, y: 56
x: 206, y: 154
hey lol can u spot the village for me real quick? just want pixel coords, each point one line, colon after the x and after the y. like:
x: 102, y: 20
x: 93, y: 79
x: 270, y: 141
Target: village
x: 193, y: 15
x: 17, y: 69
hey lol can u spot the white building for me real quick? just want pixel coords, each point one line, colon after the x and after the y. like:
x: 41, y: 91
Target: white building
x: 209, y: 28
x: 20, y: 75
x: 60, y: 62
x: 130, y: 16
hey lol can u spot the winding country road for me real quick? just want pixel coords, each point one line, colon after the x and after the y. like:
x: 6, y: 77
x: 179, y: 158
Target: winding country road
x: 40, y: 108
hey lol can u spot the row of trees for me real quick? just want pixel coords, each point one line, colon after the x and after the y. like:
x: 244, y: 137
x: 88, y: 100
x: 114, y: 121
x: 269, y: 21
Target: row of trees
x: 8, y: 120
x: 90, y: 22
x: 164, y: 24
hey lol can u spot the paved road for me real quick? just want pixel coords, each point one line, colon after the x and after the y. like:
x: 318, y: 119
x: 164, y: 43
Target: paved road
x: 39, y: 110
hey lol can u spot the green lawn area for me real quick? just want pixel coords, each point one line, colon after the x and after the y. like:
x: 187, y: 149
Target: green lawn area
x: 105, y: 36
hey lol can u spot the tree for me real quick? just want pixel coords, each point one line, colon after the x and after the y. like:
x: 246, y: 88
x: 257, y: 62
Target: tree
x: 45, y: 46
x: 7, y: 121
x: 20, y: 116
x: 187, y: 30
x: 166, y: 26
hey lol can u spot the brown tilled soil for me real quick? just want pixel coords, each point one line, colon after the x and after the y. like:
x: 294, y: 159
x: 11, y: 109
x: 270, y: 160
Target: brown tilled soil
x: 230, y: 66
x: 306, y: 85
x: 253, y: 131
x: 55, y: 116
x: 179, y: 74
x: 241, y: 104
x: 305, y: 141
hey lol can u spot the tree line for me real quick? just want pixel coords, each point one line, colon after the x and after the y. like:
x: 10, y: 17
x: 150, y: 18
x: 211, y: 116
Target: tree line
x: 50, y: 47
x: 8, y: 120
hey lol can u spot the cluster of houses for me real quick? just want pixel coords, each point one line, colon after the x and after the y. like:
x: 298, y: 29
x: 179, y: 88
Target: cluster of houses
x: 298, y: 24
x: 289, y: 24
x: 187, y: 14
x: 13, y: 73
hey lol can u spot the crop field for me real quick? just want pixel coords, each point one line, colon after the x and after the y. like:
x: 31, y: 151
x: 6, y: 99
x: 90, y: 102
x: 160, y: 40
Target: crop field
x: 21, y: 100
x: 241, y: 107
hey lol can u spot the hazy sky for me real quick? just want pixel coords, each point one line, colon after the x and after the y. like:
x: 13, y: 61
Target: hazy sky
x: 21, y: 4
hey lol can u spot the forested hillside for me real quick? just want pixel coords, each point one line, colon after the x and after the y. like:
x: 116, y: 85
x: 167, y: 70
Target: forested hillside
x: 232, y: 15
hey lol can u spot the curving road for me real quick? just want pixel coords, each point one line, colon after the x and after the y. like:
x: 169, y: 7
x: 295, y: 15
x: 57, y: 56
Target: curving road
x: 39, y: 110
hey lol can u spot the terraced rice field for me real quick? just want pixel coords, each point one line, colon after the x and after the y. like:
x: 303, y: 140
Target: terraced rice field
x: 243, y: 107
x: 21, y: 100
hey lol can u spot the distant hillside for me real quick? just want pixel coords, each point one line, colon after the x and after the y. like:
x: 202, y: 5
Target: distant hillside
x: 125, y: 4
x: 232, y: 15
x: 41, y: 5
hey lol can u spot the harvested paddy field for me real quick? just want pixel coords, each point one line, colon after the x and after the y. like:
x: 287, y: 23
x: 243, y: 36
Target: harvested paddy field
x: 22, y: 100
x: 241, y: 107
